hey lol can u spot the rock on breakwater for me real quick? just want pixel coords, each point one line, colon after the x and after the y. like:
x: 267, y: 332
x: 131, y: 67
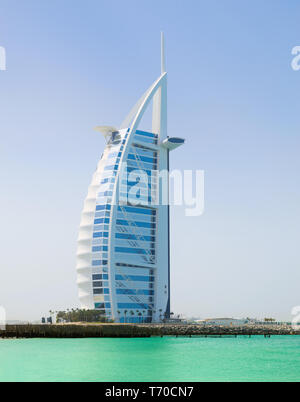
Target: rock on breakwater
x: 83, y: 330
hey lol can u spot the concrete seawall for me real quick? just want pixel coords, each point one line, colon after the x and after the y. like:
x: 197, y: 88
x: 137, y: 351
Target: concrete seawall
x: 81, y: 330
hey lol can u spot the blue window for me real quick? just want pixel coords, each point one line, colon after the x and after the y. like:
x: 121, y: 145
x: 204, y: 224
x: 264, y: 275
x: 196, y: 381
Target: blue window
x: 136, y: 196
x: 100, y: 234
x: 146, y: 134
x: 145, y: 139
x: 101, y: 220
x: 101, y: 291
x: 98, y: 291
x: 101, y: 227
x: 97, y: 277
x: 97, y: 284
x: 134, y: 237
x: 133, y: 306
x: 107, y: 305
x: 142, y: 165
x: 141, y: 151
x: 102, y: 207
x: 133, y: 250
x: 134, y: 292
x: 102, y: 214
x: 96, y: 263
x: 135, y: 210
x: 135, y: 278
x: 132, y: 169
x: 96, y: 249
x: 142, y: 158
x: 138, y: 224
x: 105, y: 180
x: 99, y: 305
x: 111, y: 167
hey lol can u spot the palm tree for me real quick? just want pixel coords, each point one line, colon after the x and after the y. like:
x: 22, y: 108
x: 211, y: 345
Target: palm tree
x: 160, y: 315
x: 51, y: 312
x: 68, y: 313
x: 119, y: 312
x: 132, y: 314
x: 140, y: 315
x: 143, y: 316
x: 125, y: 312
x: 165, y: 316
x: 152, y: 315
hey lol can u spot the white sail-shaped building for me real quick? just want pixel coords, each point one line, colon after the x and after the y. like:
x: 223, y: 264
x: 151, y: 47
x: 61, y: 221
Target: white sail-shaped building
x: 123, y: 257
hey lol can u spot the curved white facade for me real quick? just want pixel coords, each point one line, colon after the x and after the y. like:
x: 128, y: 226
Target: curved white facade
x: 123, y: 258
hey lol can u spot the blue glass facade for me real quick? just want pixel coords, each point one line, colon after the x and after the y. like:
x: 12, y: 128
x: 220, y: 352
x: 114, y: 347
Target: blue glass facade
x: 123, y: 247
x: 133, y: 228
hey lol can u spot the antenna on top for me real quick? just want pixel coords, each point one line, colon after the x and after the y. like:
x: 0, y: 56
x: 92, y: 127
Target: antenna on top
x: 163, y: 57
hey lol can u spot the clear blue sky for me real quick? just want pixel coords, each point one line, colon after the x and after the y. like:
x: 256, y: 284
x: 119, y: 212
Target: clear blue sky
x: 72, y: 65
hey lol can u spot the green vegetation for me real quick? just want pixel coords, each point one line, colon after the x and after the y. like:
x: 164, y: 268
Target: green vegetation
x: 81, y: 316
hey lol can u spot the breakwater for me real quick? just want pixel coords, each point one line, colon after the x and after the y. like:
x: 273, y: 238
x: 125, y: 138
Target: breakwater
x: 82, y: 330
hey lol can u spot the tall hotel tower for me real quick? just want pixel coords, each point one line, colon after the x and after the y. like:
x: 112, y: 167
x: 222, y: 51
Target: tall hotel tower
x: 123, y: 257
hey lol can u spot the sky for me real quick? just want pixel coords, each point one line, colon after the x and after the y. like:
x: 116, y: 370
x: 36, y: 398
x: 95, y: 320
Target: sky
x: 73, y: 65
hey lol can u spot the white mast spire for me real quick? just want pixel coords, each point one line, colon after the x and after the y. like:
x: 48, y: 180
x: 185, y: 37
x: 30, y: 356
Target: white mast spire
x: 163, y: 58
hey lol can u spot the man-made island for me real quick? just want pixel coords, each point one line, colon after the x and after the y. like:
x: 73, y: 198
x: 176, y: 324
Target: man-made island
x: 103, y: 330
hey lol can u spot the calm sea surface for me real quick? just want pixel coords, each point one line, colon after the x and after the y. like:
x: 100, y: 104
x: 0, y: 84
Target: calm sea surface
x: 151, y: 359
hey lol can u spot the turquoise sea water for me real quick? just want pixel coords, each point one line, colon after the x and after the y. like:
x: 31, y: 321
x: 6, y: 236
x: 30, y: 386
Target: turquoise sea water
x: 151, y: 359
